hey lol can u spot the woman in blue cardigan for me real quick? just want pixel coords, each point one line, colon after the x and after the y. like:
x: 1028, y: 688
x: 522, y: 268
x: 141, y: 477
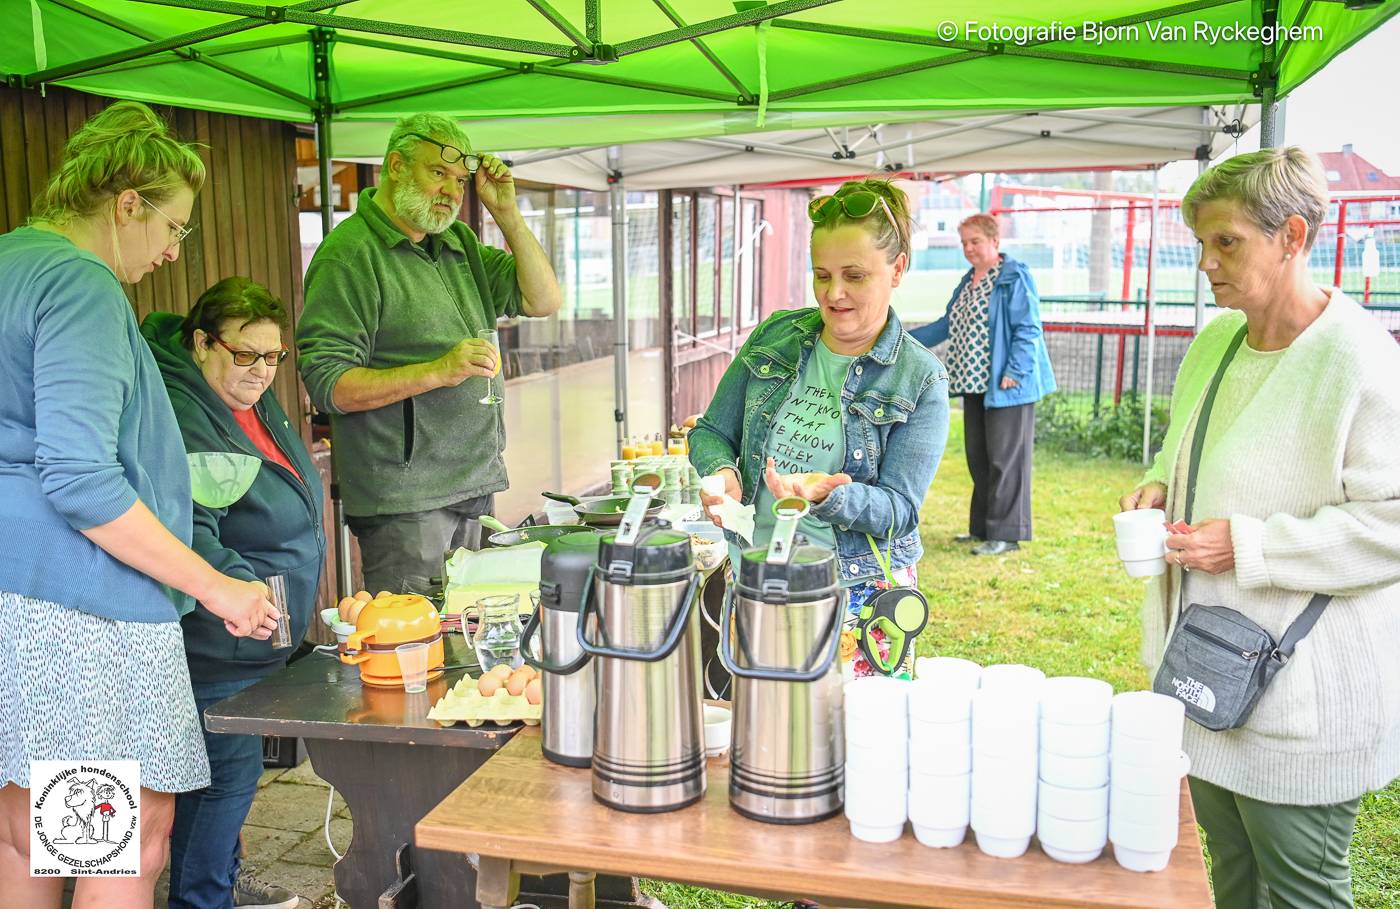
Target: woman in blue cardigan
x: 95, y: 514
x: 997, y: 361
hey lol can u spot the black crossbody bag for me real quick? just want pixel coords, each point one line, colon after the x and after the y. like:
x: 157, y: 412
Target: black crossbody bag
x: 1219, y: 661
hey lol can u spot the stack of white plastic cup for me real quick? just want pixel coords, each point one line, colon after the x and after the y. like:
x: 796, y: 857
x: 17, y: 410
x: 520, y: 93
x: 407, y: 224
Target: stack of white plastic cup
x: 1005, y: 733
x: 1144, y: 801
x: 1072, y: 818
x: 877, y: 759
x: 940, y: 749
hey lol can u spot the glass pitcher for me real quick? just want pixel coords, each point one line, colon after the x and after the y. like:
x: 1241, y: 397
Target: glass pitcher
x: 498, y: 632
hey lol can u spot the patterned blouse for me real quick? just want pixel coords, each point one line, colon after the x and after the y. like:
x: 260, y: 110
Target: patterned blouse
x: 969, y: 340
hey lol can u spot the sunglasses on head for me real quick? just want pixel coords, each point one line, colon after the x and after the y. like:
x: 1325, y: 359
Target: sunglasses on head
x: 452, y: 154
x: 857, y: 204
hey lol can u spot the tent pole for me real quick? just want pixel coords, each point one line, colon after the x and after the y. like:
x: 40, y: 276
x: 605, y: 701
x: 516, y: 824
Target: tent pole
x: 1151, y: 330
x: 1202, y: 164
x: 1268, y: 80
x: 321, y: 72
x: 617, y: 209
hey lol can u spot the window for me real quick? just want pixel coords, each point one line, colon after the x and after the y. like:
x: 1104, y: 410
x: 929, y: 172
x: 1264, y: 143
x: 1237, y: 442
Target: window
x: 706, y: 222
x: 750, y: 261
x: 727, y: 224
x: 1334, y: 176
x: 683, y: 261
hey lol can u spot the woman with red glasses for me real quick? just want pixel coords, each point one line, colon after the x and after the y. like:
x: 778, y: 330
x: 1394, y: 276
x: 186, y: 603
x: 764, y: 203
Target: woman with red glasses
x: 218, y: 363
x: 837, y: 404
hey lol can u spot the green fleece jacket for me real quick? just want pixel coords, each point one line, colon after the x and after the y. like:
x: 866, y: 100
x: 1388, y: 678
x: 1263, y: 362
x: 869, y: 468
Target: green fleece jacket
x: 376, y: 299
x: 274, y: 528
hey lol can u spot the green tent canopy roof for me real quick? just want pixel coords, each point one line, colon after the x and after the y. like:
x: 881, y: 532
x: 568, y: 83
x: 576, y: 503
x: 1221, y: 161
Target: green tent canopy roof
x: 699, y: 63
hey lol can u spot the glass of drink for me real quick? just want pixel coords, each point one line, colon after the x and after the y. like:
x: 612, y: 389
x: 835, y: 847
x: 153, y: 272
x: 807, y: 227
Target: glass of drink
x: 490, y: 337
x: 277, y: 594
x: 413, y: 666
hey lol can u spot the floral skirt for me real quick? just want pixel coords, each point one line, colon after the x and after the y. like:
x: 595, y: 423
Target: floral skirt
x: 75, y: 686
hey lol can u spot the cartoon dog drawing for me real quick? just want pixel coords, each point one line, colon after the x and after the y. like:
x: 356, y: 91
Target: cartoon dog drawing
x: 82, y: 799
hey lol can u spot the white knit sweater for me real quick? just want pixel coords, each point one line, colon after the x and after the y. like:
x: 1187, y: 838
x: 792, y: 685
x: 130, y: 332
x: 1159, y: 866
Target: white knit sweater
x: 1308, y: 473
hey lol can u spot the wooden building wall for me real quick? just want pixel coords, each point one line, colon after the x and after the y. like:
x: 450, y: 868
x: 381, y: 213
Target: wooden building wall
x: 245, y: 219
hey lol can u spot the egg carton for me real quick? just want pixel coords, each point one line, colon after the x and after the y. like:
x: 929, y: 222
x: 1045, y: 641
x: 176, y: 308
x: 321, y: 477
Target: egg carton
x: 463, y: 703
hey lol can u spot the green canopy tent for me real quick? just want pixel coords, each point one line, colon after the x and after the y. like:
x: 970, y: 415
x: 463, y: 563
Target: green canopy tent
x: 609, y: 72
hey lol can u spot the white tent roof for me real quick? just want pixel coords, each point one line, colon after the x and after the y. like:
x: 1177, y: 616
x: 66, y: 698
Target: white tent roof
x: 965, y: 143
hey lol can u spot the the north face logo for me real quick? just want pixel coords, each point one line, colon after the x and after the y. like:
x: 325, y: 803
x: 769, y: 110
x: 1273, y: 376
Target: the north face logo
x: 1194, y: 692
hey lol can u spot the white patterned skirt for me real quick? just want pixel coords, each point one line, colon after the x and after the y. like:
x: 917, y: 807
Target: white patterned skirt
x: 75, y: 686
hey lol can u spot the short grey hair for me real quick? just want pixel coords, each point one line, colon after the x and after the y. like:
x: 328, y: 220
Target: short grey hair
x: 434, y: 126
x: 1272, y: 185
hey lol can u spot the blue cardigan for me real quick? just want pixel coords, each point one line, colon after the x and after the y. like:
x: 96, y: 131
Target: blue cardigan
x: 86, y: 430
x: 1018, y: 342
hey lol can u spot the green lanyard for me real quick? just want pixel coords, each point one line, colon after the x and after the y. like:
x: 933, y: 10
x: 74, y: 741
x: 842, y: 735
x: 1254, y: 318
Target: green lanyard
x: 886, y: 561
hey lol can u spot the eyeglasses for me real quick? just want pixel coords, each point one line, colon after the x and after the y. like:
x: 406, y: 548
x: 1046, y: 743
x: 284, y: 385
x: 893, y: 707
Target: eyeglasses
x: 249, y: 357
x: 452, y: 154
x: 181, y: 230
x: 858, y: 204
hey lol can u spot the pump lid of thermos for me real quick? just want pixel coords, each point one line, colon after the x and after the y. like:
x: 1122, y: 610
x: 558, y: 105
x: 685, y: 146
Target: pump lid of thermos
x: 564, y: 570
x: 788, y: 569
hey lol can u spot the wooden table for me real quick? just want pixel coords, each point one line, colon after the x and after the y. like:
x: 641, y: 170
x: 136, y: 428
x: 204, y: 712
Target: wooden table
x: 391, y: 764
x: 523, y: 813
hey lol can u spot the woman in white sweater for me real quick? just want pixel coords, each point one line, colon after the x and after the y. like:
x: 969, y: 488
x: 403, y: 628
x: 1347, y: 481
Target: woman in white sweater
x: 1298, y: 493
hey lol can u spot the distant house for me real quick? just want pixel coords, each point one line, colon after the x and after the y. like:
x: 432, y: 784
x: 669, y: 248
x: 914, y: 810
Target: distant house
x: 1349, y: 172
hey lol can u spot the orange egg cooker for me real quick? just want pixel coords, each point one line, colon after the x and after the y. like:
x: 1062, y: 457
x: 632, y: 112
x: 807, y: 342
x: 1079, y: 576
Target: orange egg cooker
x: 385, y: 623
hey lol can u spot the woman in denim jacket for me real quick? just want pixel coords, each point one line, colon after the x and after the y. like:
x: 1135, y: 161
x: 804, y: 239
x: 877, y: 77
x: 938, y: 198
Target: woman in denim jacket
x: 837, y: 404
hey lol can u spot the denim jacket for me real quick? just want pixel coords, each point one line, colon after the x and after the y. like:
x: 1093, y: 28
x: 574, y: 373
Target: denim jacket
x: 894, y: 405
x: 1018, y: 340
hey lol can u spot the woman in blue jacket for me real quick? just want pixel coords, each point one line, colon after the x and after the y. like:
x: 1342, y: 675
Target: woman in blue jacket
x: 997, y: 361
x: 217, y: 364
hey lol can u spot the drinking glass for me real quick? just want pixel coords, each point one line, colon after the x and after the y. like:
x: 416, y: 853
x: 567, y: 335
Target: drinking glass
x: 490, y: 337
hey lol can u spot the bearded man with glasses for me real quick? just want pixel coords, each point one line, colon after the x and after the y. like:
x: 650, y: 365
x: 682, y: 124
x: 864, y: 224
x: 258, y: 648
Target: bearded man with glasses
x: 395, y: 296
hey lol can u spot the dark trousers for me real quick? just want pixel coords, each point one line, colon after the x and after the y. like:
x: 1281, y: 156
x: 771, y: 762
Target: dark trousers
x: 999, y: 442
x: 402, y: 552
x: 204, y: 840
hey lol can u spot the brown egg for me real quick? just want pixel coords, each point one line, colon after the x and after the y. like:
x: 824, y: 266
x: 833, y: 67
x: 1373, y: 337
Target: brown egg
x: 355, y: 609
x: 517, y: 681
x: 363, y: 596
x: 488, y: 685
x: 501, y: 671
x: 343, y: 607
x: 533, y: 672
x: 382, y: 594
x: 534, y: 691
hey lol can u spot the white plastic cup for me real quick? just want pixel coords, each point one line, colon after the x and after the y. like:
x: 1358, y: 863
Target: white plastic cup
x: 1139, y: 860
x: 1073, y: 804
x: 940, y: 837
x: 1074, y: 741
x: 1127, y: 749
x: 1076, y: 701
x: 1148, y: 715
x: 942, y: 698
x: 1161, y: 808
x: 1002, y: 846
x: 1074, y: 772
x: 1157, y: 836
x: 939, y: 759
x: 1072, y: 842
x: 942, y: 802
x: 958, y: 732
x: 1151, y: 779
x: 413, y: 666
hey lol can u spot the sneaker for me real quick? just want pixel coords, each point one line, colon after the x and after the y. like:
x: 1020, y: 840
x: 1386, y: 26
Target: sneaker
x: 251, y: 893
x: 967, y: 538
x: 996, y: 547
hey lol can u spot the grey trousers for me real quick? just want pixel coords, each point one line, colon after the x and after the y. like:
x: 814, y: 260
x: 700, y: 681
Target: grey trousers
x: 999, y: 442
x: 401, y: 553
x: 1265, y: 856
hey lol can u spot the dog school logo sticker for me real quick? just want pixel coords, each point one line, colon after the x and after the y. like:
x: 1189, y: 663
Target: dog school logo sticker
x: 85, y: 818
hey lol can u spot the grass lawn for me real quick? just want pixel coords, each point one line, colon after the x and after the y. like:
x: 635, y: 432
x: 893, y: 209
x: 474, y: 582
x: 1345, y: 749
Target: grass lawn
x: 1062, y: 604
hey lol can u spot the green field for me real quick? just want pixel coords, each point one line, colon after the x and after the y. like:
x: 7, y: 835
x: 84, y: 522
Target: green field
x: 1063, y: 604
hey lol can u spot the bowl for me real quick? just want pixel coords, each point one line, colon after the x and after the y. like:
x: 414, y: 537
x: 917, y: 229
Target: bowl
x: 1074, y: 772
x: 1073, y: 804
x: 940, y: 837
x: 1074, y: 741
x: 718, y: 721
x: 1003, y: 846
x: 1071, y: 856
x: 877, y: 833
x: 1140, y: 860
x: 1076, y: 701
x: 1148, y: 715
x: 1151, y: 779
x: 331, y: 616
x: 1076, y: 836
